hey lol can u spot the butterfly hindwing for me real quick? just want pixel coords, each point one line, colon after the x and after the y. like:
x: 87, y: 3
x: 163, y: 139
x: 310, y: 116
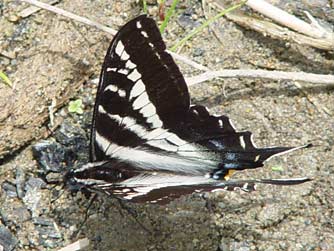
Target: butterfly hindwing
x: 161, y: 188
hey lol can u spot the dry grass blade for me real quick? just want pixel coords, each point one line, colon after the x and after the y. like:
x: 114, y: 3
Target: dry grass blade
x: 206, y: 24
x: 170, y: 12
x: 5, y: 79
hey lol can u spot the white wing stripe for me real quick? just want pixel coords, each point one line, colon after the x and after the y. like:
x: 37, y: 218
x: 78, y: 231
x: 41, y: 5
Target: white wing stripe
x: 163, y: 145
x: 122, y: 93
x: 137, y: 89
x: 125, y: 56
x: 141, y: 131
x: 134, y: 75
x: 105, y: 144
x: 123, y: 71
x: 130, y: 65
x: 140, y: 101
x: 112, y: 88
x: 151, y: 160
x: 155, y: 121
x: 143, y: 184
x: 144, y: 33
x: 157, y: 134
x: 138, y: 25
x: 176, y: 140
x: 148, y: 110
x: 119, y: 48
x: 112, y: 69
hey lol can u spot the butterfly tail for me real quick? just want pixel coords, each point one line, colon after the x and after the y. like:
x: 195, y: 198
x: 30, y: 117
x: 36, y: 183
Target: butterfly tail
x: 250, y: 185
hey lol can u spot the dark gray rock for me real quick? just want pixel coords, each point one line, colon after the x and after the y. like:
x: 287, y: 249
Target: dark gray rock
x: 7, y: 240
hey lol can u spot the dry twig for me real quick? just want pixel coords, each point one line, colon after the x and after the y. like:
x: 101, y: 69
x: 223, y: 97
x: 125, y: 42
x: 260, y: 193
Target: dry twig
x: 71, y: 16
x: 308, y: 34
x: 188, y: 61
x: 275, y: 75
x: 33, y: 9
x: 280, y: 16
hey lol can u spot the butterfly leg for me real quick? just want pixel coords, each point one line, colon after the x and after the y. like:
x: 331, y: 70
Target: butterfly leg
x: 76, y: 233
x: 131, y: 211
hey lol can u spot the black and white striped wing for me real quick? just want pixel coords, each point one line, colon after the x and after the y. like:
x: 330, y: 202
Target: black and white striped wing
x: 141, y: 91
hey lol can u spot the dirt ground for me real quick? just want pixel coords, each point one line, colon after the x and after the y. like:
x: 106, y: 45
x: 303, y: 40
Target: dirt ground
x: 51, y: 60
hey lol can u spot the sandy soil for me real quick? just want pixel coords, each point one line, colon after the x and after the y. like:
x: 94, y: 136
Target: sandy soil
x: 50, y: 57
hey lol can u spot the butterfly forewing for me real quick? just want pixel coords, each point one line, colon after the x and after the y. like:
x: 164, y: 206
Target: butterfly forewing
x: 140, y: 89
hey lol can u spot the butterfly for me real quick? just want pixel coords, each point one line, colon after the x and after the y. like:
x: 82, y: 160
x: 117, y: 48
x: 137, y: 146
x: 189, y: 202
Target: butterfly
x: 148, y: 143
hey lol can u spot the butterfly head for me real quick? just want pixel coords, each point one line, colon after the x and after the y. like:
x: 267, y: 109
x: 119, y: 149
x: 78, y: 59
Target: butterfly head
x: 70, y: 181
x: 74, y: 185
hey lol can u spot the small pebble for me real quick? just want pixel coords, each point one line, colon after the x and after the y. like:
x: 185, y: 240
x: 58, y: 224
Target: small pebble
x: 20, y: 180
x: 9, y: 189
x: 13, y: 18
x: 33, y: 183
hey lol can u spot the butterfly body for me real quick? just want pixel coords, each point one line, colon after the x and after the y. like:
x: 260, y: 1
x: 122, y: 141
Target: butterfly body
x: 148, y: 144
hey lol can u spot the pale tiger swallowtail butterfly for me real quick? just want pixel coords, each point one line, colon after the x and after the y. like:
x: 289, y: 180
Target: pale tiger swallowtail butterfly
x: 148, y: 143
